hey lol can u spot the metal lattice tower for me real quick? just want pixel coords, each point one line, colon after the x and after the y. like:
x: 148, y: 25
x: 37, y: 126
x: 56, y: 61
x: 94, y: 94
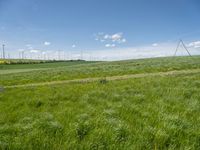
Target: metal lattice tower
x: 179, y: 44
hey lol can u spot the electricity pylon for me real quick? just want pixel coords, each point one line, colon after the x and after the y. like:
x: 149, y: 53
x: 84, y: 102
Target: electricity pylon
x: 179, y: 43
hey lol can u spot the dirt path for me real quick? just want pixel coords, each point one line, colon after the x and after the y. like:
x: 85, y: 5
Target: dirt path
x: 122, y: 77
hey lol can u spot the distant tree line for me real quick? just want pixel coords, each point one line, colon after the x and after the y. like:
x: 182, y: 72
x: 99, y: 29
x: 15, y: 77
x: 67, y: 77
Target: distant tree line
x: 20, y: 61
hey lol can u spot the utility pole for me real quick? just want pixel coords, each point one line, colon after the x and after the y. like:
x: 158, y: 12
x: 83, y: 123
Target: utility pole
x: 22, y: 54
x: 81, y: 55
x: 19, y: 55
x: 58, y: 54
x: 64, y: 54
x: 90, y: 56
x: 3, y: 48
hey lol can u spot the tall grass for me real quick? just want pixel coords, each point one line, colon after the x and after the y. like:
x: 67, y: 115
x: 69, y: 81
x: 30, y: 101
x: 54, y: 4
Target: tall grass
x: 34, y: 73
x: 144, y: 113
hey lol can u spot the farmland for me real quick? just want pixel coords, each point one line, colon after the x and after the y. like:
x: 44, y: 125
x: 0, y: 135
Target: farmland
x: 132, y: 104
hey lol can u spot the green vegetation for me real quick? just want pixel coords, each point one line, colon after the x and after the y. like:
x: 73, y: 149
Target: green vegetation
x: 23, y: 74
x: 148, y: 112
x: 19, y: 68
x: 31, y: 61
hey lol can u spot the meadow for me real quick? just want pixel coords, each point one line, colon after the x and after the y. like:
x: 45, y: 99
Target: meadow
x: 136, y: 113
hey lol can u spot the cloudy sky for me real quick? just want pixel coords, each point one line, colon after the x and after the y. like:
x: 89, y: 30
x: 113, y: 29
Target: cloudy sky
x: 99, y: 29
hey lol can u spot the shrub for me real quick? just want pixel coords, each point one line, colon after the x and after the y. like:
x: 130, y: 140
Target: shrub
x: 103, y: 81
x: 82, y: 129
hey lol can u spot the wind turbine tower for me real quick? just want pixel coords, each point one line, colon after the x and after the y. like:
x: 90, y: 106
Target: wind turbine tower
x: 3, y: 48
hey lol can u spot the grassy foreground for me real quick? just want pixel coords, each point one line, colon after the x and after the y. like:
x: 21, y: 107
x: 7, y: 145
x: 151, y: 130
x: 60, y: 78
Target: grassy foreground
x: 159, y: 112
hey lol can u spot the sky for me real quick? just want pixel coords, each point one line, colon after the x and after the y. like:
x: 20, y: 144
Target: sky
x: 98, y: 29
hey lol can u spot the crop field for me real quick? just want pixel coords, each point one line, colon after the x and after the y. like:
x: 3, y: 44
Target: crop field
x: 134, y: 104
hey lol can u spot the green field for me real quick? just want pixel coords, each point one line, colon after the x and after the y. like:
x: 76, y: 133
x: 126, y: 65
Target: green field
x: 133, y: 104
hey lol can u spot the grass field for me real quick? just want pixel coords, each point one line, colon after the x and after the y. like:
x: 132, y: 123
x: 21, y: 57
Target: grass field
x: 133, y: 104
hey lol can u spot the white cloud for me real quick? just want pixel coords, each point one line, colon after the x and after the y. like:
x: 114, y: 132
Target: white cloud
x: 148, y: 51
x: 195, y: 44
x: 107, y: 36
x: 116, y: 38
x: 73, y: 46
x: 110, y: 45
x: 123, y: 40
x: 29, y: 46
x: 47, y: 43
x: 155, y: 44
x: 111, y: 52
x: 34, y: 51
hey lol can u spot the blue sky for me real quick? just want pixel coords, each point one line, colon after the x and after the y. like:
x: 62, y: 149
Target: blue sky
x: 100, y: 27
